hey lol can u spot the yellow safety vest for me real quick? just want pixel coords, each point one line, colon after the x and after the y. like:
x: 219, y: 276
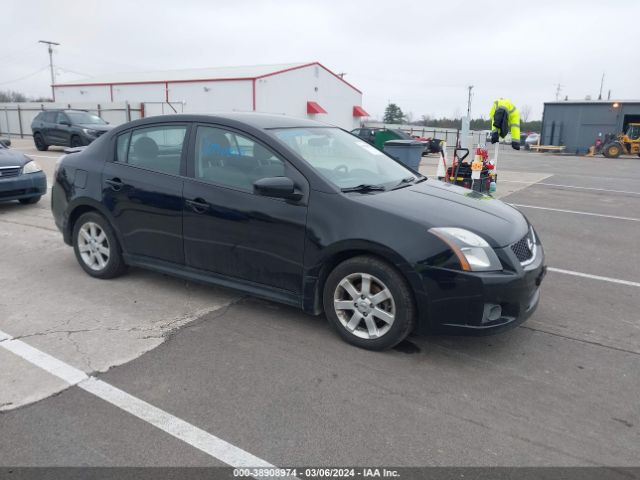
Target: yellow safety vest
x: 514, y: 117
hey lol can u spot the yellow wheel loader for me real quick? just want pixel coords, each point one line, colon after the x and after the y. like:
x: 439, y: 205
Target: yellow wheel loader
x: 625, y: 143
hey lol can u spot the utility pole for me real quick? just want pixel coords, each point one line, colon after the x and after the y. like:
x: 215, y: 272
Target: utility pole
x: 601, y: 84
x: 470, y: 87
x: 53, y: 76
x: 558, y: 90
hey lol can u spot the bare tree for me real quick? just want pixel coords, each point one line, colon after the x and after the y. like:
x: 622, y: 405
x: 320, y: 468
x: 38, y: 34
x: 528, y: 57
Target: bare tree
x: 525, y: 113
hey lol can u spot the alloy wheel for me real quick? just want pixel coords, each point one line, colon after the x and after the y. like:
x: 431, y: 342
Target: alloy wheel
x: 93, y: 246
x: 364, y: 305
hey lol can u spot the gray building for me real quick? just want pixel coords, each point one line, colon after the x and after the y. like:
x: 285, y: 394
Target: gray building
x: 577, y: 124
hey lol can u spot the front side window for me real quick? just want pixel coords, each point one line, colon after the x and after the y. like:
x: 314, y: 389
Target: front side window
x: 156, y: 148
x: 233, y: 160
x: 62, y: 118
x: 344, y: 160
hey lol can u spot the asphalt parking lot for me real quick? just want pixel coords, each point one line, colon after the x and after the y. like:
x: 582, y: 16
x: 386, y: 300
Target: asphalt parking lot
x: 155, y: 371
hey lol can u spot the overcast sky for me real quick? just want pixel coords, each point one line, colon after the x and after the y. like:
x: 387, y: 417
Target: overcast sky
x: 420, y: 55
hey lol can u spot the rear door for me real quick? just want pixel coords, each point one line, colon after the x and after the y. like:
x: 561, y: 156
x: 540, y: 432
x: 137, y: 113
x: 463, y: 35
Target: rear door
x: 230, y: 230
x: 59, y: 131
x: 142, y: 187
x: 48, y: 122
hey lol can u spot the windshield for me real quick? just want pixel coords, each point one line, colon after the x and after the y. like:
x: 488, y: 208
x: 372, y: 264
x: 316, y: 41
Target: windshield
x: 634, y: 132
x: 78, y: 118
x: 344, y: 160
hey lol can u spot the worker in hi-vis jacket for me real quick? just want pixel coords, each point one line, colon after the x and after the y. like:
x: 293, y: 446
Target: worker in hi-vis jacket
x: 504, y: 117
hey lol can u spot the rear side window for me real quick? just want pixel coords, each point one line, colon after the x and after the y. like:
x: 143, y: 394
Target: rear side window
x: 47, y: 117
x: 154, y: 148
x: 122, y: 147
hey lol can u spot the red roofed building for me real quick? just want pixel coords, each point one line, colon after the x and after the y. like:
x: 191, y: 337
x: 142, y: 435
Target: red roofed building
x: 308, y: 90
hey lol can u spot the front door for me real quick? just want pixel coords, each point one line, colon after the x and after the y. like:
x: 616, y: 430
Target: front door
x: 227, y: 228
x: 142, y: 188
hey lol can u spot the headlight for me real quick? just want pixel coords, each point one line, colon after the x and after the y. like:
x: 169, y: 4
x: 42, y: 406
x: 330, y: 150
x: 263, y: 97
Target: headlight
x: 473, y: 251
x: 90, y: 131
x: 31, y: 167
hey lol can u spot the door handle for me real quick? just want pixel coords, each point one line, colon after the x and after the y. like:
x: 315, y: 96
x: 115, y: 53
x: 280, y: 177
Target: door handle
x: 115, y: 183
x: 198, y: 205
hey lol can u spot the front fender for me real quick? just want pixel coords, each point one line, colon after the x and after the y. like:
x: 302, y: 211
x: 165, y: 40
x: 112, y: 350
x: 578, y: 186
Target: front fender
x: 316, y: 274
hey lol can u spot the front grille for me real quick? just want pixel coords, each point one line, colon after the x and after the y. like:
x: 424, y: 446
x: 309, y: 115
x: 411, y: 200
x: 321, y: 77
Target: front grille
x: 525, y: 248
x: 13, y: 171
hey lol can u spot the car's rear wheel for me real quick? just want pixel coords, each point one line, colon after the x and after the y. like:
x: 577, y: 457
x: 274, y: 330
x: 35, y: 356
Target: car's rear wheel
x: 41, y: 145
x: 96, y: 246
x: 369, y: 303
x: 76, y: 141
x: 27, y: 201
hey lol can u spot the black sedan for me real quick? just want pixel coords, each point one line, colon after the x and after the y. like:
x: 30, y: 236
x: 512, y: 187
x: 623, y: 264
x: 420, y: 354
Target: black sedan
x: 301, y: 213
x: 21, y: 178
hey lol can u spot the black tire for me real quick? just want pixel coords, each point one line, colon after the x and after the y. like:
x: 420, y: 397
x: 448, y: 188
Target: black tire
x: 114, y: 264
x: 401, y: 301
x: 29, y: 201
x: 76, y: 141
x: 41, y: 145
x: 612, y: 150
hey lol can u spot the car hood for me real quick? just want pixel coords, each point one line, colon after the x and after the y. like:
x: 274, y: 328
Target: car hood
x: 437, y: 204
x: 93, y: 126
x: 9, y: 158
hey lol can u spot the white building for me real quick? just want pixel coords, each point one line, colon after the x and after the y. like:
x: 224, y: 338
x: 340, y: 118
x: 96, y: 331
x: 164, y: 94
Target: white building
x: 308, y: 90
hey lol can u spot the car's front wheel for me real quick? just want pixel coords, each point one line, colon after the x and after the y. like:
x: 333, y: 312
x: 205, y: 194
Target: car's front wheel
x: 75, y: 141
x: 96, y: 246
x: 369, y: 303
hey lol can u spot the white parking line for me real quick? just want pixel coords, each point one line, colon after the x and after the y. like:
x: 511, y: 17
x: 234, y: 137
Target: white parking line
x: 572, y: 186
x: 616, y: 217
x: 188, y: 433
x: 594, y: 277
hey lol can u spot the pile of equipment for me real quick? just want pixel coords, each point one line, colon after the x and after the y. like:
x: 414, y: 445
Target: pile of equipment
x: 479, y: 175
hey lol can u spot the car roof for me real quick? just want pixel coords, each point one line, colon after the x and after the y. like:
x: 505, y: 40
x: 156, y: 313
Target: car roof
x: 56, y: 110
x: 263, y: 121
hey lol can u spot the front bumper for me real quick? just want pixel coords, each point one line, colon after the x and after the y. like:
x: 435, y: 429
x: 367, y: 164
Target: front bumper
x: 23, y: 186
x: 459, y: 302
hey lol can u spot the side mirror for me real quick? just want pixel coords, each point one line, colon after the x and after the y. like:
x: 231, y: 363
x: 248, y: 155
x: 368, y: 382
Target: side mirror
x: 278, y: 187
x: 6, y: 142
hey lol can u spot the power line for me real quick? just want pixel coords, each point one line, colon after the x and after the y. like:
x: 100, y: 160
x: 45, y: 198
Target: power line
x: 16, y: 52
x: 26, y: 76
x: 64, y: 69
